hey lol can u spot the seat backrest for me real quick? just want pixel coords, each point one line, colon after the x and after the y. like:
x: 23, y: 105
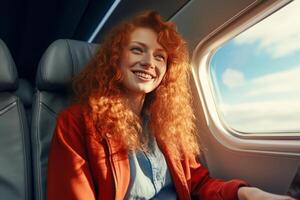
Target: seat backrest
x: 25, y: 93
x: 62, y: 60
x: 15, y: 160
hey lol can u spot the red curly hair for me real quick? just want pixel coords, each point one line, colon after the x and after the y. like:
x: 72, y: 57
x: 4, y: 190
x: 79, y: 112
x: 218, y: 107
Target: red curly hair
x: 169, y: 105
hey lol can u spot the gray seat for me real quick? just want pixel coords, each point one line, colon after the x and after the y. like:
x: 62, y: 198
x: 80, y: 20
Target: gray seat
x: 25, y: 92
x: 15, y: 160
x: 62, y: 60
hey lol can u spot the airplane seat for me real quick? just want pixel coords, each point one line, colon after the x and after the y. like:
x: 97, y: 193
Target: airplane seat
x: 25, y: 92
x: 15, y: 158
x: 63, y: 59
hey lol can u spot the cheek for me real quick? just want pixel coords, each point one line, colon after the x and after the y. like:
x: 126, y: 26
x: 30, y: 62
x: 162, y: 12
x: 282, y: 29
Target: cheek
x: 162, y: 74
x: 163, y: 71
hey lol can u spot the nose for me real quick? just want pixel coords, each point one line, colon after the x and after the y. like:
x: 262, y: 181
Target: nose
x: 147, y: 61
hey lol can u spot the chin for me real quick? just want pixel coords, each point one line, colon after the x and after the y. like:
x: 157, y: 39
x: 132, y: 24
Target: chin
x: 139, y: 88
x: 144, y: 91
x: 142, y: 88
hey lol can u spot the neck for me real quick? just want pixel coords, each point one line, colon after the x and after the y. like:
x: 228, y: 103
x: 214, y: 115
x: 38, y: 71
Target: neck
x: 135, y: 103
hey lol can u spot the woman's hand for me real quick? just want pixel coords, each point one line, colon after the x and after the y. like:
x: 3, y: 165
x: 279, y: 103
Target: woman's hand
x: 252, y: 193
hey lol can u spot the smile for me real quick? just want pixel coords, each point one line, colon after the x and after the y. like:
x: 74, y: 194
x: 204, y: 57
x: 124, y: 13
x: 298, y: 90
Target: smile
x: 143, y: 75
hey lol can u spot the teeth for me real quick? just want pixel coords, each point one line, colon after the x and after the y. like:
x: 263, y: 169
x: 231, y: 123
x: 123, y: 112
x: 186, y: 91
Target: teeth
x: 143, y: 75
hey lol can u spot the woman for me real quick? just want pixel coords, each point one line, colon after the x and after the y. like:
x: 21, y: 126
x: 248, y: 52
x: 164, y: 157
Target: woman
x: 131, y: 135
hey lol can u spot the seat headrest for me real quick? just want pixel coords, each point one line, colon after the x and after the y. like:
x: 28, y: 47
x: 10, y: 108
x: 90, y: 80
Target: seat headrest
x: 62, y: 60
x: 8, y: 70
x: 25, y: 92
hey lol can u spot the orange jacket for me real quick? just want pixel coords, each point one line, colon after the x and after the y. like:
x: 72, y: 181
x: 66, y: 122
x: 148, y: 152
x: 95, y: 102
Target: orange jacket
x: 80, y: 167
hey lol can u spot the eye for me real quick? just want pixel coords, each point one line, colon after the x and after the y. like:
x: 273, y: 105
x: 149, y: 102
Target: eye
x: 136, y: 50
x: 160, y: 57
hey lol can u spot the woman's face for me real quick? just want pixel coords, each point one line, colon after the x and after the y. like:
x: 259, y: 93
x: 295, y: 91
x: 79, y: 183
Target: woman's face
x: 143, y: 62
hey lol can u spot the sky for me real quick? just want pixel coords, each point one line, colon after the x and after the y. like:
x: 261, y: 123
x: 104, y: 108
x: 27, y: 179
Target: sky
x: 256, y: 75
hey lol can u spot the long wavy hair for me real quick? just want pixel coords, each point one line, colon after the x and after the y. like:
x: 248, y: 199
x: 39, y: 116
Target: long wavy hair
x: 169, y: 106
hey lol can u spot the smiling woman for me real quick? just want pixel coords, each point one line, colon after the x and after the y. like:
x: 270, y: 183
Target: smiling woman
x: 161, y: 52
x: 131, y: 133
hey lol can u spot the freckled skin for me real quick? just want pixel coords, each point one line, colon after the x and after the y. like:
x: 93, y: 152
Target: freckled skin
x: 143, y: 56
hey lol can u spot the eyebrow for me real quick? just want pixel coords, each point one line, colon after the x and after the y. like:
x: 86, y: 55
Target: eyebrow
x: 145, y: 46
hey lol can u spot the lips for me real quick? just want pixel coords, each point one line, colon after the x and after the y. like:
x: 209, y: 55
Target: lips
x: 144, y: 74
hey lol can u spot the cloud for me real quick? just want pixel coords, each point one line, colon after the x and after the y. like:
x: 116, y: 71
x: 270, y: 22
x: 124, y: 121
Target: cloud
x: 279, y: 83
x: 263, y: 116
x: 278, y: 34
x: 267, y: 103
x: 233, y: 78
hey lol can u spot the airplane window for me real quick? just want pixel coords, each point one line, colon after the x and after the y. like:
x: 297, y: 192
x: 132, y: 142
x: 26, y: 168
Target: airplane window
x: 256, y: 75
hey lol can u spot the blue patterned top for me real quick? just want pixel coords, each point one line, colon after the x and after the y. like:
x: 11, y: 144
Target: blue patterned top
x: 149, y: 174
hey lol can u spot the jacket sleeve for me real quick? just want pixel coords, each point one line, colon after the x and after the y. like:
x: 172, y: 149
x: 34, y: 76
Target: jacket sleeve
x: 206, y: 188
x: 69, y: 176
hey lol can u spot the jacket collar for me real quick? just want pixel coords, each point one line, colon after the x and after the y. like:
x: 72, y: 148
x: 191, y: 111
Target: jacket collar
x: 119, y: 163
